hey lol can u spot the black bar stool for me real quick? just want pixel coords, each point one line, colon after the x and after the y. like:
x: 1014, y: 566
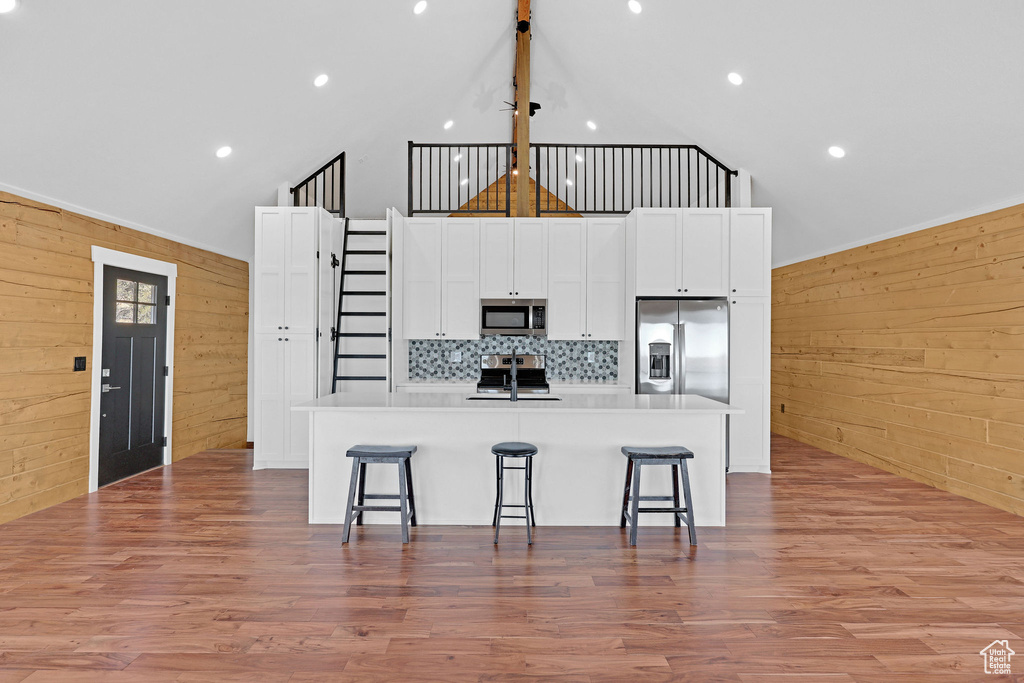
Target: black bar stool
x: 513, y: 449
x: 397, y: 455
x: 638, y: 456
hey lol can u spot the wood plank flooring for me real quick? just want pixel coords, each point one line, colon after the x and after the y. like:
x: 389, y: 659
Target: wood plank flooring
x: 829, y: 570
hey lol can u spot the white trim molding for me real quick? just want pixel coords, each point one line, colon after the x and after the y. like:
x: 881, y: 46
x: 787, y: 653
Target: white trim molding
x: 108, y: 257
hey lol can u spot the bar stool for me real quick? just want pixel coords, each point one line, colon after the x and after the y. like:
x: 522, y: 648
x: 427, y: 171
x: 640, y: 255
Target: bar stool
x: 397, y: 455
x: 513, y: 449
x: 638, y: 456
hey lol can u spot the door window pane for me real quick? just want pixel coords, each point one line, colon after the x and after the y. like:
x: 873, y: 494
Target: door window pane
x: 125, y: 290
x: 146, y: 314
x: 124, y: 313
x: 147, y: 293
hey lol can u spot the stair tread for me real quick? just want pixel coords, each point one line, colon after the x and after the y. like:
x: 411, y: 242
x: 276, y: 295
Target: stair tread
x: 360, y: 377
x: 376, y: 335
x: 362, y: 292
x: 361, y: 355
x: 363, y: 313
x: 367, y: 232
x: 365, y: 272
x: 378, y: 252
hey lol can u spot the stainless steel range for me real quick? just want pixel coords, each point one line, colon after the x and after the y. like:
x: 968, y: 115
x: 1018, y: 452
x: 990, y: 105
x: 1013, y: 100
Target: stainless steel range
x: 496, y: 374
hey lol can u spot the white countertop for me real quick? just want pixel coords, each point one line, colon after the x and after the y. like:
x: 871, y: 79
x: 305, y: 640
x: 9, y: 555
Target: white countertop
x: 586, y: 403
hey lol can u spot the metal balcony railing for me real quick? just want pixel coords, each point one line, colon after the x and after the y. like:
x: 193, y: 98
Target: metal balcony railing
x: 324, y: 188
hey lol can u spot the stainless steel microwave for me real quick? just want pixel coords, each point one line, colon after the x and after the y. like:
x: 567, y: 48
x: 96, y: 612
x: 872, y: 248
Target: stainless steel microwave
x: 513, y: 316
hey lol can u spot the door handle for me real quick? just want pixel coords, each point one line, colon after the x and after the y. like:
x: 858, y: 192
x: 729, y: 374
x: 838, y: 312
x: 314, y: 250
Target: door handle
x: 104, y: 388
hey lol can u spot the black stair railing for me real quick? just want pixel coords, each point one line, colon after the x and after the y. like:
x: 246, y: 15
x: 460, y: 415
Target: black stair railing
x: 325, y: 187
x: 450, y: 179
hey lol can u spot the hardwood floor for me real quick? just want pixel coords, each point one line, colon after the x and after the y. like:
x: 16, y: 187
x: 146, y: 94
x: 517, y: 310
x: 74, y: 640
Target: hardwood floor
x: 829, y: 570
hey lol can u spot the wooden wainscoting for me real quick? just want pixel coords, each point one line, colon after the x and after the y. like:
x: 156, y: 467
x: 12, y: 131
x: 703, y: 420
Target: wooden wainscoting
x: 46, y: 308
x: 908, y: 354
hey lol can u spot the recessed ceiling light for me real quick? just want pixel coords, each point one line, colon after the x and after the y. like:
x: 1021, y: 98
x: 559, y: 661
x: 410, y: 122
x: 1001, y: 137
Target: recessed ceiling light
x: 457, y: 157
x: 735, y: 78
x: 837, y: 152
x: 223, y: 152
x: 568, y: 181
x: 419, y: 7
x: 591, y: 125
x: 579, y: 159
x: 321, y: 80
x: 464, y: 181
x: 635, y: 7
x: 7, y: 5
x: 448, y: 124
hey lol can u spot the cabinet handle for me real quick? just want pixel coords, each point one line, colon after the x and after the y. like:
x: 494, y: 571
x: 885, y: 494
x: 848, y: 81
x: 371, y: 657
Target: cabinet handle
x: 279, y: 339
x: 685, y: 290
x: 279, y: 327
x: 286, y: 327
x: 286, y: 338
x: 583, y: 334
x: 679, y: 290
x: 437, y: 334
x: 444, y: 334
x: 510, y: 293
x: 734, y: 291
x: 517, y: 293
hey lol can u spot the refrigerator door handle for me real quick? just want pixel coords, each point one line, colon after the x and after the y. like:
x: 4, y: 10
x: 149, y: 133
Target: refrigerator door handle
x: 679, y: 349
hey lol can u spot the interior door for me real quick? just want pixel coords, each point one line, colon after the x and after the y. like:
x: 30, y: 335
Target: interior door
x: 132, y: 393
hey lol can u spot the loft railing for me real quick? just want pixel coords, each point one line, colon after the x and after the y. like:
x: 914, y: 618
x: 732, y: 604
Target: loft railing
x: 451, y: 179
x: 324, y: 188
x: 598, y: 179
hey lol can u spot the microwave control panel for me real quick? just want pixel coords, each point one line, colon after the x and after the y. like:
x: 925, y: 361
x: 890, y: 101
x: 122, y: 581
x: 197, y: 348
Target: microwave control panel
x: 538, y: 317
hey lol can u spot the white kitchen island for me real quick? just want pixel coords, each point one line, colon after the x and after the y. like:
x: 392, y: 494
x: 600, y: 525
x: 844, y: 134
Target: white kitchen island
x: 578, y: 474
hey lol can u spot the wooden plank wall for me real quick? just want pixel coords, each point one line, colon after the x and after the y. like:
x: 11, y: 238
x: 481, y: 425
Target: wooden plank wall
x: 46, y: 308
x: 908, y: 354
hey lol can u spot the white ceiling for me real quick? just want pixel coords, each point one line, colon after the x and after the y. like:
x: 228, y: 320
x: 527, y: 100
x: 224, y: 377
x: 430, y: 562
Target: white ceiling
x: 117, y: 106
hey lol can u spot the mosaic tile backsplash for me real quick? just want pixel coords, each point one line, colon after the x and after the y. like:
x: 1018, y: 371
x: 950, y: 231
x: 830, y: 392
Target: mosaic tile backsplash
x: 566, y: 361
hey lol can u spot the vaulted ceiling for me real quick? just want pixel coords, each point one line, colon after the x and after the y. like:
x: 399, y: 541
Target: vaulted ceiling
x: 117, y: 106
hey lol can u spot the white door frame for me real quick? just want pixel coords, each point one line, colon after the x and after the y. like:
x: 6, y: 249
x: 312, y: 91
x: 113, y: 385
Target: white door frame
x: 108, y: 257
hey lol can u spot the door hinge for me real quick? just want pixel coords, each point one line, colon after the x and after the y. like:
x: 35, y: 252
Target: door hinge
x: 165, y: 440
x: 334, y: 334
x: 334, y: 261
x: 167, y: 371
x: 167, y: 300
x: 318, y: 253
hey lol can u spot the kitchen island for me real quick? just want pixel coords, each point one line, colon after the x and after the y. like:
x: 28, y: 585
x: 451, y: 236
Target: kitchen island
x: 579, y: 471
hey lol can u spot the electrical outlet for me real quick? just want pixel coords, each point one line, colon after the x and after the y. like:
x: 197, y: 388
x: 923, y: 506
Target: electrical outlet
x: 455, y: 356
x: 79, y: 363
x: 590, y: 357
x: 783, y: 408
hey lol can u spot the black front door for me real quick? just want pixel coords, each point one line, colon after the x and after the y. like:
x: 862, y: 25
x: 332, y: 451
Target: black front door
x: 132, y: 392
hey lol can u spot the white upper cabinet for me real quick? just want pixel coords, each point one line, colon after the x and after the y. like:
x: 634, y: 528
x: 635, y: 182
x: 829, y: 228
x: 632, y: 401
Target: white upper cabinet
x: 513, y: 258
x: 460, y: 278
x: 286, y: 270
x: 606, y: 278
x: 497, y: 255
x: 750, y: 272
x: 530, y: 271
x: 659, y: 245
x: 441, y: 278
x: 705, y: 252
x: 421, y: 278
x: 586, y: 278
x: 567, y: 278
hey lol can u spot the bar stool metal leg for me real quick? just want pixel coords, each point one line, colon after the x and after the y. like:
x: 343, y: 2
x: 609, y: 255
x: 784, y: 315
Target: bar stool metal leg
x: 529, y: 489
x: 351, y: 500
x: 497, y: 492
x: 675, y: 490
x: 625, y: 495
x: 403, y: 503
x: 362, y: 491
x: 527, y: 504
x: 689, y: 504
x: 501, y: 496
x: 412, y: 496
x: 634, y: 513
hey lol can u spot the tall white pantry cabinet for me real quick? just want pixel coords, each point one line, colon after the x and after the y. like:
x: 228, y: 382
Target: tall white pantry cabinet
x: 294, y: 304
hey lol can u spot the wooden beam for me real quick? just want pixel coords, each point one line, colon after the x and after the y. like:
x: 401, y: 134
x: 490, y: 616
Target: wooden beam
x: 523, y: 106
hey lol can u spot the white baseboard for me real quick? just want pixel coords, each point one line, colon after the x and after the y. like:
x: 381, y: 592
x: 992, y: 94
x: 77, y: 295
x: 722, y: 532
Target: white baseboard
x: 280, y: 465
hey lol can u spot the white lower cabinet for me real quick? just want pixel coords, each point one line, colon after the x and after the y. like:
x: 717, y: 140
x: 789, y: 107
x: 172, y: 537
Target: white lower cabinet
x: 750, y: 383
x: 586, y: 278
x: 285, y: 369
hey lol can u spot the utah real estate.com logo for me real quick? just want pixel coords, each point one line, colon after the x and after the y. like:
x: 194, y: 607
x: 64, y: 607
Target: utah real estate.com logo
x: 997, y: 657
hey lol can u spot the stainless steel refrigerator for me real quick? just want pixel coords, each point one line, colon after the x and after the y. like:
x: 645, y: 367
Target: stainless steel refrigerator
x: 682, y: 347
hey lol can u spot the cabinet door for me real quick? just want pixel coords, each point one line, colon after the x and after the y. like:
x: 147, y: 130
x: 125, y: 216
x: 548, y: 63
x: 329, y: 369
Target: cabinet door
x: 496, y: 257
x: 705, y: 252
x: 749, y: 445
x: 567, y: 278
x: 749, y: 339
x: 269, y: 397
x: 269, y: 271
x: 659, y: 234
x: 421, y: 279
x: 530, y: 279
x: 606, y: 278
x: 750, y: 252
x: 300, y: 271
x: 460, y: 278
x: 300, y: 387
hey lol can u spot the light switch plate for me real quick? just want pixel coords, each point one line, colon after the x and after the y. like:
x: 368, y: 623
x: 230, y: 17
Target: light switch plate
x: 590, y: 356
x: 106, y: 372
x: 455, y: 356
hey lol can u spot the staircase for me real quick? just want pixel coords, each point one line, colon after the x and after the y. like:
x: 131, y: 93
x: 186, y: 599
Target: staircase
x: 361, y: 332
